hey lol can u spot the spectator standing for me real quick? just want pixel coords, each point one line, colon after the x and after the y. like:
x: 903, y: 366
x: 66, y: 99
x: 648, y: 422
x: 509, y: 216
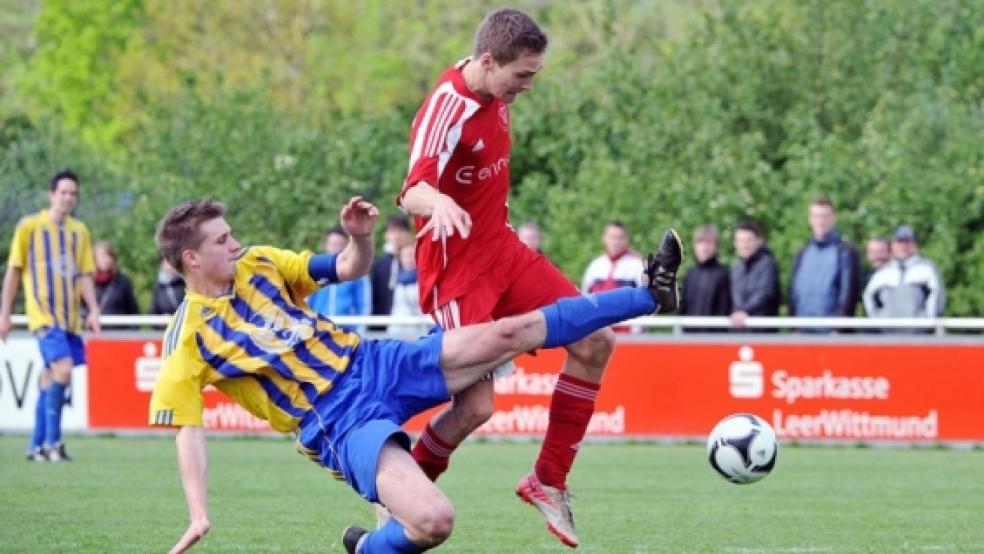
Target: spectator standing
x: 826, y: 271
x: 406, y: 296
x: 169, y: 290
x: 879, y: 252
x: 754, y: 277
x: 618, y: 266
x: 347, y: 298
x: 385, y: 268
x: 114, y: 291
x: 707, y: 285
x: 909, y: 285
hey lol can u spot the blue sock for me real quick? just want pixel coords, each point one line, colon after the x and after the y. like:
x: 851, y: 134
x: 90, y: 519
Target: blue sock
x: 571, y: 319
x: 37, y: 439
x: 391, y: 538
x: 52, y: 415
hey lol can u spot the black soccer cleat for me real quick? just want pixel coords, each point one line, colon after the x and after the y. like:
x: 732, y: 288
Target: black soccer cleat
x: 352, y: 538
x: 661, y: 270
x: 57, y: 453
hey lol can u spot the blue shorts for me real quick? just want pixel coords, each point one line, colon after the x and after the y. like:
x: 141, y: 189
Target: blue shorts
x: 387, y: 383
x: 58, y: 343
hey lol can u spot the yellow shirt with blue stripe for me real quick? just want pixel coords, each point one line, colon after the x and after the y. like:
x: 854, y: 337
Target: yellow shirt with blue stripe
x: 260, y: 344
x: 52, y: 257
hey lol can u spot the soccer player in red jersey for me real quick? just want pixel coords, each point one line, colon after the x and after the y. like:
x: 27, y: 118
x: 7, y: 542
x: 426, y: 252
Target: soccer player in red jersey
x: 473, y: 268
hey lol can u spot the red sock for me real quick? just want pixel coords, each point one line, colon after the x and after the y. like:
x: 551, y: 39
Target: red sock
x: 570, y: 412
x: 432, y: 453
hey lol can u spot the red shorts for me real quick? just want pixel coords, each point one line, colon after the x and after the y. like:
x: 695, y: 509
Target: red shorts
x: 521, y: 281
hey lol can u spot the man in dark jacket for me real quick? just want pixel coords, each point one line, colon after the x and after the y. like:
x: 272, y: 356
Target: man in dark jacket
x: 754, y: 277
x: 827, y: 271
x: 169, y: 290
x: 386, y: 267
x: 707, y: 285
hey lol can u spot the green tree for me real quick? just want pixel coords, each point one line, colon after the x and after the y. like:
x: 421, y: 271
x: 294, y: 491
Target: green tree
x: 72, y: 75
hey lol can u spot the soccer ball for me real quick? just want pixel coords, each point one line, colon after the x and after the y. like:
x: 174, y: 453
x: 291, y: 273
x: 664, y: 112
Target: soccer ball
x: 742, y: 448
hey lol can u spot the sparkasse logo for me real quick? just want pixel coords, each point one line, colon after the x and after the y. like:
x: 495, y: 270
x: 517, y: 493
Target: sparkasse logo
x: 746, y: 376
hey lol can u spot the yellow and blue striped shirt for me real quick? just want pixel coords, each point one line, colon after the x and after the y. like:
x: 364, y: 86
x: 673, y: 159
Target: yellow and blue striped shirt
x: 52, y: 257
x: 260, y: 344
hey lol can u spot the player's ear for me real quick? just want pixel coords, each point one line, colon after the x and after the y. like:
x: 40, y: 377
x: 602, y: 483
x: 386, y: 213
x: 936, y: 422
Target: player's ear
x: 189, y: 258
x: 485, y: 61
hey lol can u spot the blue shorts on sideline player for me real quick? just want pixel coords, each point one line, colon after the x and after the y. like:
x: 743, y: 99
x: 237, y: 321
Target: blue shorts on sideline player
x: 56, y: 343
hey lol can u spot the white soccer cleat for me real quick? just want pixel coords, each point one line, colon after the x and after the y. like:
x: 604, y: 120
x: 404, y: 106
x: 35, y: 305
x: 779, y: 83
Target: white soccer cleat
x: 553, y: 503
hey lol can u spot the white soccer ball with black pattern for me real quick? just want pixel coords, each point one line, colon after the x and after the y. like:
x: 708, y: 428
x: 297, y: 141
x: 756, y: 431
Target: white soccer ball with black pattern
x: 742, y: 448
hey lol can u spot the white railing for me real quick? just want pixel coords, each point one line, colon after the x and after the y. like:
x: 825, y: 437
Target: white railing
x: 675, y: 323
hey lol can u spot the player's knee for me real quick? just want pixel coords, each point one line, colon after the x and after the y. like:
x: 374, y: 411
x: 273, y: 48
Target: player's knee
x: 514, y: 334
x: 436, y: 522
x: 475, y: 410
x: 61, y: 371
x: 61, y: 376
x: 595, y: 349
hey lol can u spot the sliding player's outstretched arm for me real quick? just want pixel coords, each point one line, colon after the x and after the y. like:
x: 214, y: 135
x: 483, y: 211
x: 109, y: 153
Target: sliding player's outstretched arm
x: 358, y: 218
x: 193, y: 463
x: 177, y: 402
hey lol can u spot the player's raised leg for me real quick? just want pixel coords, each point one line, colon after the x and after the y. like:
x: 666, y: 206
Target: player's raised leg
x: 470, y: 352
x: 572, y: 403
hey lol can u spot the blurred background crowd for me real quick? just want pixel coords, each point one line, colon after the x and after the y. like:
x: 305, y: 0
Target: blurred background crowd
x: 790, y: 141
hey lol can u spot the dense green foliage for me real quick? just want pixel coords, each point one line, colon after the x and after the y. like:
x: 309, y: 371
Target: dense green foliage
x: 654, y: 113
x: 124, y: 495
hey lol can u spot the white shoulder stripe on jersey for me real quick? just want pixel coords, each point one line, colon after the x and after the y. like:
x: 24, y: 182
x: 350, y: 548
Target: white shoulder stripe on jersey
x: 431, y: 134
x: 439, y: 129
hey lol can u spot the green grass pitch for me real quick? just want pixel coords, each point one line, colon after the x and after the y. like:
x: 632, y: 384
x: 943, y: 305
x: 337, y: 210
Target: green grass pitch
x: 124, y: 495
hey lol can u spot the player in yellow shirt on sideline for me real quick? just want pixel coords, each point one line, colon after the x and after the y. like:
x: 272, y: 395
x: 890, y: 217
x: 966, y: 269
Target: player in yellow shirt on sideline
x: 245, y: 328
x: 52, y: 251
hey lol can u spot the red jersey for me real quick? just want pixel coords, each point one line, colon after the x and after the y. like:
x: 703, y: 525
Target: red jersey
x: 460, y: 145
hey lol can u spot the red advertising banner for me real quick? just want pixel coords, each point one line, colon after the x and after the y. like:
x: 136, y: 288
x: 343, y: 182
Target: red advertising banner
x: 125, y: 371
x: 815, y: 391
x: 849, y: 392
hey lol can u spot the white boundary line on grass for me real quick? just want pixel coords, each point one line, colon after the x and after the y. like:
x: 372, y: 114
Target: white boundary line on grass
x: 904, y: 547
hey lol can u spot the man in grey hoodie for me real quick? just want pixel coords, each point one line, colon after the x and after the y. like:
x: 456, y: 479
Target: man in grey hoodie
x: 907, y: 286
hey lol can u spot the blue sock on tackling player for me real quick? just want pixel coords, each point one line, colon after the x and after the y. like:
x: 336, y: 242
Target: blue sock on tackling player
x: 391, y: 538
x: 37, y: 438
x: 572, y: 319
x: 53, y: 411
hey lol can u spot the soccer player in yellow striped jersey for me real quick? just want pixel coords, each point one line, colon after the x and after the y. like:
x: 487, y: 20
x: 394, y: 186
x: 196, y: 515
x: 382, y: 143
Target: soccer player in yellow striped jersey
x: 245, y: 328
x: 52, y: 251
